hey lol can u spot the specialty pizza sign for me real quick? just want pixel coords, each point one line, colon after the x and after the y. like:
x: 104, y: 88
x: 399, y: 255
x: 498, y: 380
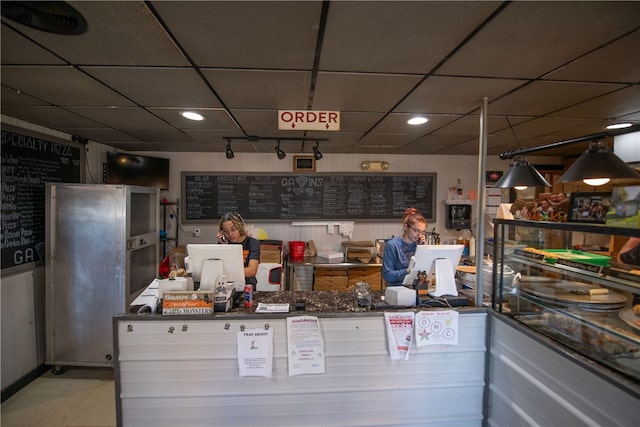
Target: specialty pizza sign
x: 308, y: 120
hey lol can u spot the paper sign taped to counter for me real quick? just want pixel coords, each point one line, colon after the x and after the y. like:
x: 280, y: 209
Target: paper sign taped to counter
x: 436, y: 327
x: 399, y: 327
x: 305, y: 345
x: 255, y: 353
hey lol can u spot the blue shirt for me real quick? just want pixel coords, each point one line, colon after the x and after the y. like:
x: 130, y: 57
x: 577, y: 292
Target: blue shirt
x: 397, y: 254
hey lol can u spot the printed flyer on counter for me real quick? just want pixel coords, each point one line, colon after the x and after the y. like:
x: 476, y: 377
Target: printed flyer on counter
x: 436, y: 327
x: 305, y: 345
x: 399, y: 328
x: 255, y: 353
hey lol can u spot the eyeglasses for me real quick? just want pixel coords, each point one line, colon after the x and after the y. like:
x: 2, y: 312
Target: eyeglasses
x: 417, y: 231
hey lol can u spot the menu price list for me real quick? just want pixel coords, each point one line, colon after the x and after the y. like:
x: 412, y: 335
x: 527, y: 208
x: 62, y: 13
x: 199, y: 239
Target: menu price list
x: 208, y: 196
x: 27, y: 164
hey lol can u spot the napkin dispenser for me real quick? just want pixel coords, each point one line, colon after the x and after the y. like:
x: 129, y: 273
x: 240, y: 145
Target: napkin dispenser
x: 400, y: 295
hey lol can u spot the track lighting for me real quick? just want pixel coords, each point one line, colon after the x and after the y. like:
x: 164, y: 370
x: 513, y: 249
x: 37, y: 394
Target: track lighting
x: 281, y: 154
x: 229, y: 152
x: 316, y: 151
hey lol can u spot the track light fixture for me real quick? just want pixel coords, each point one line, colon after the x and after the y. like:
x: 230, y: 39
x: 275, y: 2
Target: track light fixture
x: 281, y: 154
x: 229, y: 153
x: 316, y: 151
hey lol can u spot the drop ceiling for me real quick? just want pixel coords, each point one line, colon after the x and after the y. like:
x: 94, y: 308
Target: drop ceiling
x: 551, y: 71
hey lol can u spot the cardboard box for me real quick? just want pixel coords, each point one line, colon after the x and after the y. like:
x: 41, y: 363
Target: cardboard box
x: 330, y: 255
x: 270, y: 254
x: 181, y: 302
x: 371, y: 275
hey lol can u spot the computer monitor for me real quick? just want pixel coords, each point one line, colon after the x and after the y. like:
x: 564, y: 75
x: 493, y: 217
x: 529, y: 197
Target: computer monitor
x: 425, y: 256
x: 230, y: 254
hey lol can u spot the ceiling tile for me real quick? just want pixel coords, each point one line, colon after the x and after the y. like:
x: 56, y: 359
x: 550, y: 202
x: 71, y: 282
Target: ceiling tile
x: 101, y: 134
x: 157, y: 87
x: 285, y: 90
x: 547, y: 66
x: 599, y: 65
x: 545, y: 97
x: 354, y: 39
x: 19, y: 50
x: 11, y: 97
x: 119, y: 32
x: 610, y: 106
x: 124, y: 118
x: 455, y: 94
x: 517, y: 43
x: 360, y: 92
x: 213, y: 118
x: 60, y: 86
x: 397, y: 123
x: 160, y: 135
x: 278, y: 35
x: 49, y: 116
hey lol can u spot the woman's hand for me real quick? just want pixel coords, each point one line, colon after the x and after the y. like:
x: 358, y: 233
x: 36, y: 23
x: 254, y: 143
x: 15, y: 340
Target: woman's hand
x: 221, y: 237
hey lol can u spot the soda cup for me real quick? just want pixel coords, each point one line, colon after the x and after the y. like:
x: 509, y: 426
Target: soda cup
x: 248, y: 296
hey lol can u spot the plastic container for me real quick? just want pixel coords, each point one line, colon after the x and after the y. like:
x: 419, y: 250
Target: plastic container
x: 362, y: 297
x: 296, y: 250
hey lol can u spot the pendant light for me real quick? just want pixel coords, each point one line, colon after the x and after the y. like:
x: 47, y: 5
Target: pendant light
x: 521, y: 175
x: 597, y: 166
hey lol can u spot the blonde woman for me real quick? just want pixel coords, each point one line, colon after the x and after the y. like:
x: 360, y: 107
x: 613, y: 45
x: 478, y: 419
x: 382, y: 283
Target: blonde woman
x: 231, y: 231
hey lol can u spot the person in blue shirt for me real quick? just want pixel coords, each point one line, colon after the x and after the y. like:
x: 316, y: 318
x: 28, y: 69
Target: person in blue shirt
x: 231, y: 230
x: 399, y: 250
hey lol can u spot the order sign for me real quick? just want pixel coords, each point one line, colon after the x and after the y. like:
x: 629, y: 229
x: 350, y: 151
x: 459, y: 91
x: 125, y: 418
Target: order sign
x: 308, y: 120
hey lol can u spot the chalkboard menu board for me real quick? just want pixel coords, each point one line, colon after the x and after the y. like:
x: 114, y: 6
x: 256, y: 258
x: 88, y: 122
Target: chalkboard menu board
x: 317, y: 196
x: 28, y: 162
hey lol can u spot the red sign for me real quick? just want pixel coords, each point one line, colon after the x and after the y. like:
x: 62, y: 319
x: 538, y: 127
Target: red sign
x: 308, y: 120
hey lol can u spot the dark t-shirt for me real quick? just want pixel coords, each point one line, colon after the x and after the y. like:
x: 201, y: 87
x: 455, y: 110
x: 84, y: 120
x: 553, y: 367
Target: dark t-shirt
x: 250, y: 250
x: 632, y: 256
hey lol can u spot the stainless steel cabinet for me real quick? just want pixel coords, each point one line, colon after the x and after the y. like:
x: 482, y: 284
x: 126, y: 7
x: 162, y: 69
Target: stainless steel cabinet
x: 102, y: 249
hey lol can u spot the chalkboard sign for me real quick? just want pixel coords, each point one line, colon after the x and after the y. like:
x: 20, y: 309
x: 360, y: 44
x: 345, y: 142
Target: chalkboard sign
x: 28, y: 162
x: 318, y: 196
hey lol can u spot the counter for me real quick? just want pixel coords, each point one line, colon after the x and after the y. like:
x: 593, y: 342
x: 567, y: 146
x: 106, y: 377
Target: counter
x: 183, y: 370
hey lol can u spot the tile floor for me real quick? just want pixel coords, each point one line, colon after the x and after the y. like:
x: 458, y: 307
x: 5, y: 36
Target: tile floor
x: 80, y: 397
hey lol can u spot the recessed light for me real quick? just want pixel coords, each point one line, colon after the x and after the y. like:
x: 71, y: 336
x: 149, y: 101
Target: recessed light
x: 417, y: 120
x: 619, y: 126
x: 192, y: 115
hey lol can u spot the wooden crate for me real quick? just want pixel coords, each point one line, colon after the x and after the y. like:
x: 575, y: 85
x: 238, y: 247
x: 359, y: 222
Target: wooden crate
x: 371, y: 275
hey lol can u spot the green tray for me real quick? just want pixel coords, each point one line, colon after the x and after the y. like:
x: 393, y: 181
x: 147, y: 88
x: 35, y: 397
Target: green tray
x: 580, y: 256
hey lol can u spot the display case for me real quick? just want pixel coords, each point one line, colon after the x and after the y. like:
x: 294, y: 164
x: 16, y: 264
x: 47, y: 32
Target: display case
x: 570, y: 287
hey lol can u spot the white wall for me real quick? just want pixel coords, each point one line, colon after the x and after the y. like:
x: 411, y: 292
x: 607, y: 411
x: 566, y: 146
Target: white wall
x: 448, y: 169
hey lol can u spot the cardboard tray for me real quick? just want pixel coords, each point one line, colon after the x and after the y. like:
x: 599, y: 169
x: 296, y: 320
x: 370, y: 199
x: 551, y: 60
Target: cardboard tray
x: 579, y: 256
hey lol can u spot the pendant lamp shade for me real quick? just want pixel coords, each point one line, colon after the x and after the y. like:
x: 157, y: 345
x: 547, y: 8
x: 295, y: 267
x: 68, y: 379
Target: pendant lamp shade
x: 598, y: 162
x: 521, y: 173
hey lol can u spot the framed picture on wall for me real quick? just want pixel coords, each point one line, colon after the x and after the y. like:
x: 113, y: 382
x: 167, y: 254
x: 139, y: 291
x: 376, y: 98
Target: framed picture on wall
x: 589, y: 207
x: 304, y: 164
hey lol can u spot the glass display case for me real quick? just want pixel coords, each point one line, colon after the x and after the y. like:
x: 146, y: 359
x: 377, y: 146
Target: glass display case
x: 570, y: 286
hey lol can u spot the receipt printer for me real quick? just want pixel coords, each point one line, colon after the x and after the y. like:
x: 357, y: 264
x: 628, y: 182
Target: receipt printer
x: 400, y: 295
